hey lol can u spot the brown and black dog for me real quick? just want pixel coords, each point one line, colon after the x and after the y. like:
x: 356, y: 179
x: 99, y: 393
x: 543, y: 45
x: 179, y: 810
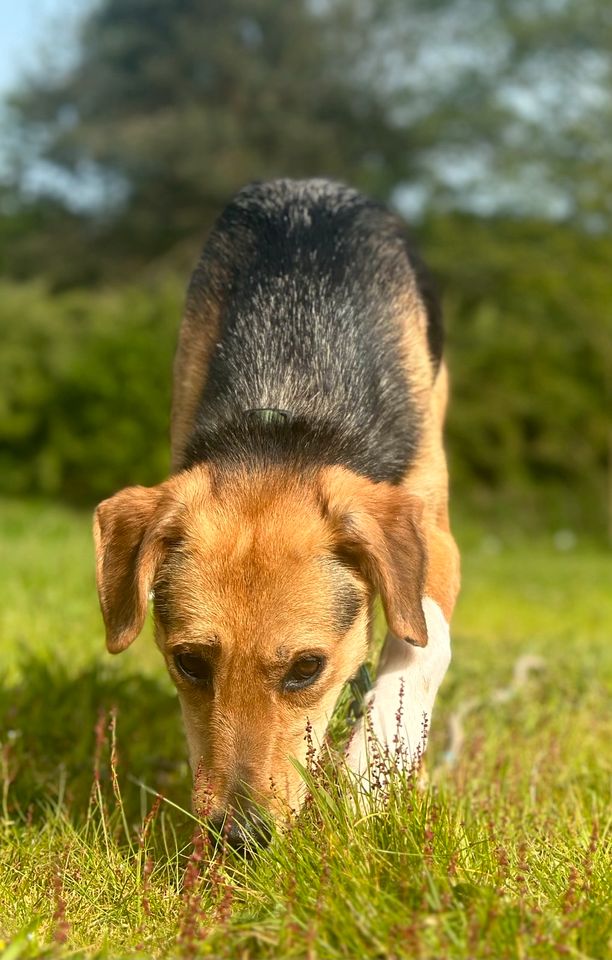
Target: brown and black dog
x: 309, y: 476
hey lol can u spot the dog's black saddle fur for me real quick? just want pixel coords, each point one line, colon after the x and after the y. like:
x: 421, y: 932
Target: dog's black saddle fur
x: 308, y: 279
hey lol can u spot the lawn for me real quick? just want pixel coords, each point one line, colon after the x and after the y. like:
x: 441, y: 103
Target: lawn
x: 506, y: 853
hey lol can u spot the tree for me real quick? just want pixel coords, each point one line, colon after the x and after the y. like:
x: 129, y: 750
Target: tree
x: 180, y: 102
x: 484, y: 104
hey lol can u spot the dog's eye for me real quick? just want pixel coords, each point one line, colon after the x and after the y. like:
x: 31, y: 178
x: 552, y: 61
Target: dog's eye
x: 195, y: 668
x: 303, y: 672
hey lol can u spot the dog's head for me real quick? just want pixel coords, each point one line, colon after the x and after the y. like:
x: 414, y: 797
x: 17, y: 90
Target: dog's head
x: 263, y: 586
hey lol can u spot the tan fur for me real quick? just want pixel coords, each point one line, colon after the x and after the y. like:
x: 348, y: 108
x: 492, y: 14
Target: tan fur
x: 427, y: 478
x: 381, y: 525
x: 244, y: 557
x: 412, y: 321
x: 248, y: 561
x: 128, y: 551
x: 265, y: 598
x: 197, y: 339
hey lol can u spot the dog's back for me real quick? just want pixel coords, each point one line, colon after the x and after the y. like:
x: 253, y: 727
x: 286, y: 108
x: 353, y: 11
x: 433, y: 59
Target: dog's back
x: 294, y: 343
x: 309, y: 478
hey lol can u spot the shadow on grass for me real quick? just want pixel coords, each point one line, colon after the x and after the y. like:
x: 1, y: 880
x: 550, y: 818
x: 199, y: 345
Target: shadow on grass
x: 54, y: 723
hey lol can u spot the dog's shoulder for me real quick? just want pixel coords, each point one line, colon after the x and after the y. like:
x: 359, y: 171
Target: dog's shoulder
x: 312, y: 231
x: 324, y: 314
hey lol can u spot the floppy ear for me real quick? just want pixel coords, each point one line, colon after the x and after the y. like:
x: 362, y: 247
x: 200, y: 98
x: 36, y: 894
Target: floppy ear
x: 377, y: 526
x: 129, y: 547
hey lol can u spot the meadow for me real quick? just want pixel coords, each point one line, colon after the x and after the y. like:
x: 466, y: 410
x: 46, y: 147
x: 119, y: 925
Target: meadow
x: 504, y: 852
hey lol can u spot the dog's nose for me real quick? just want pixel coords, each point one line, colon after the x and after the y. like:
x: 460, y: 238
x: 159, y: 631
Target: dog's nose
x: 227, y: 828
x: 242, y: 831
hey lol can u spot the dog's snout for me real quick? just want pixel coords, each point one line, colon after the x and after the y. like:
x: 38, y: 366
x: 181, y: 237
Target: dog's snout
x: 243, y: 832
x: 222, y: 827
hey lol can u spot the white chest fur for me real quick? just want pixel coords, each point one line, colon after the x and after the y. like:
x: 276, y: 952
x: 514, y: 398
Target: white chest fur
x: 399, y: 707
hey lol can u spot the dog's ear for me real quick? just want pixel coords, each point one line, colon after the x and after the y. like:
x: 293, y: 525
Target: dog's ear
x: 377, y: 528
x: 129, y: 530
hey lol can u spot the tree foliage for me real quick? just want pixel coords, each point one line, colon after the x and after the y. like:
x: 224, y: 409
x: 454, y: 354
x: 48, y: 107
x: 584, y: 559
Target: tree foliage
x: 529, y: 331
x: 86, y: 377
x: 174, y: 104
x: 496, y: 113
x: 180, y: 102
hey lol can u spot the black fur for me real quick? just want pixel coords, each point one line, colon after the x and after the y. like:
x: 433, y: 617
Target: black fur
x: 304, y: 274
x: 348, y: 604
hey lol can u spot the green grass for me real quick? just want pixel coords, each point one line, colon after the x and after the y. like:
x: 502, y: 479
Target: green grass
x: 505, y: 854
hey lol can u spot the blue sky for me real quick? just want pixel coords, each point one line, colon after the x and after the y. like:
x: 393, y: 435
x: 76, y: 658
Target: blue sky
x: 30, y: 29
x: 37, y: 35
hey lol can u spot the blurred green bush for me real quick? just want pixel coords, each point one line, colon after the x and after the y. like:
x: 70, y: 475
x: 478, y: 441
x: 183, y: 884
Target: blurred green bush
x: 529, y: 343
x: 86, y: 376
x: 85, y: 399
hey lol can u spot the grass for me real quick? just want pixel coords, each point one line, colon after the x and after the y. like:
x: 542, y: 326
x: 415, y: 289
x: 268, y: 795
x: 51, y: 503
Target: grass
x: 505, y: 854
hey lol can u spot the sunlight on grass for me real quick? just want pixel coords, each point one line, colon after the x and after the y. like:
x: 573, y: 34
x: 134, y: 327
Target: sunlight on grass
x: 504, y: 855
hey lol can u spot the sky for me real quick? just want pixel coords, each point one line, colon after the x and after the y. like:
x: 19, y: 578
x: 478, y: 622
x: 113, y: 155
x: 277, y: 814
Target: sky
x: 36, y: 35
x: 28, y: 29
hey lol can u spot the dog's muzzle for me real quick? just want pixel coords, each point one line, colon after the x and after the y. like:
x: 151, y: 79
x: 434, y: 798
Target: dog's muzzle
x: 243, y: 832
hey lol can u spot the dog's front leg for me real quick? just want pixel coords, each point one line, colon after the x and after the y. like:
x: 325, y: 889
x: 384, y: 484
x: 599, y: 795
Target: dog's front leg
x: 398, y: 710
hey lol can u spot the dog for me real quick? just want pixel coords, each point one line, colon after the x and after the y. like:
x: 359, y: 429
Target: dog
x: 308, y: 477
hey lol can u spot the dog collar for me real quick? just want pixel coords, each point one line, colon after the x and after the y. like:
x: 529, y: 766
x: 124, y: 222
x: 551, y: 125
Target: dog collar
x: 267, y: 415
x: 360, y: 686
